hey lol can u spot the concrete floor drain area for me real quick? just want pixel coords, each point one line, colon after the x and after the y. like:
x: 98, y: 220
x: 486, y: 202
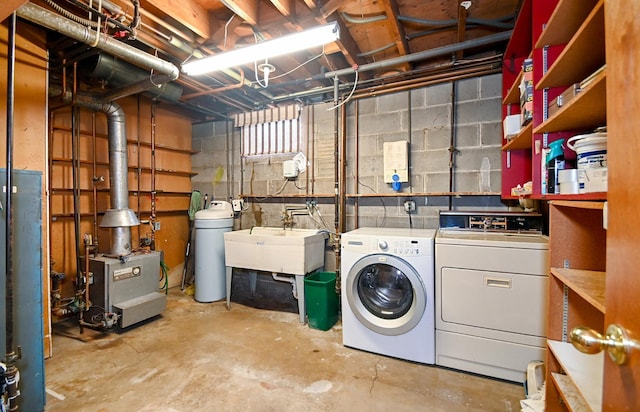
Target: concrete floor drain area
x: 201, y: 357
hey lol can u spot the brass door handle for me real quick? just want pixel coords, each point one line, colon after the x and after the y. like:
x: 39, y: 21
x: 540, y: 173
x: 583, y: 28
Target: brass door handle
x: 616, y: 342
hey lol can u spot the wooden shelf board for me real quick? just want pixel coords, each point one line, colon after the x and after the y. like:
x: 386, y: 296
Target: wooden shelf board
x: 588, y: 284
x: 567, y: 17
x: 569, y: 393
x: 579, y: 205
x: 424, y: 194
x: 299, y: 195
x: 130, y: 167
x: 130, y: 141
x: 582, y: 55
x: 584, y: 371
x: 522, y: 140
x: 579, y: 196
x: 587, y: 110
x: 56, y: 216
x: 513, y: 95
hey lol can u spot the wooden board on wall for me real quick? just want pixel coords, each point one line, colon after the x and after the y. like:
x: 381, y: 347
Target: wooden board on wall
x: 172, y: 184
x: 30, y: 129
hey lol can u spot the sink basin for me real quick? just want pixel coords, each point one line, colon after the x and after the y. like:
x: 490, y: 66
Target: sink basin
x: 272, y: 249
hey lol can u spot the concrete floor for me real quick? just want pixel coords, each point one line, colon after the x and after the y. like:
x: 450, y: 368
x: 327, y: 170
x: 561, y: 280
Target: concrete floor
x: 201, y: 357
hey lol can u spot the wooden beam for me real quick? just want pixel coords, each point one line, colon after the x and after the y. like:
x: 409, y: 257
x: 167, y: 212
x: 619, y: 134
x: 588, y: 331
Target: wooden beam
x: 285, y: 7
x: 187, y: 12
x: 462, y: 23
x: 329, y: 8
x: 9, y: 6
x: 310, y: 3
x: 397, y: 29
x: 218, y: 37
x: 247, y: 9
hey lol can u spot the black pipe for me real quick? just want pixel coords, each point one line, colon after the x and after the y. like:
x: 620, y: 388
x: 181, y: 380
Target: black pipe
x: 452, y: 143
x: 12, y: 374
x: 11, y: 61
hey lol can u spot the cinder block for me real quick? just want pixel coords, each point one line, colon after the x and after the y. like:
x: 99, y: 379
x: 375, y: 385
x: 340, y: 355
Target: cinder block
x: 222, y: 128
x: 393, y: 102
x: 474, y: 112
x: 380, y: 123
x: 368, y: 146
x: 202, y: 160
x: 467, y: 89
x: 437, y: 182
x: 471, y: 158
x: 491, y: 134
x: 467, y: 136
x: 432, y: 116
x: 418, y: 98
x: 438, y: 95
x: 491, y: 86
x: 368, y: 106
x: 438, y: 137
x: 430, y: 161
x: 202, y: 130
x: 214, y: 144
x: 466, y: 181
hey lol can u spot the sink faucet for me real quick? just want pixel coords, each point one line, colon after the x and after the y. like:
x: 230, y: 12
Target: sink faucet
x: 287, y: 219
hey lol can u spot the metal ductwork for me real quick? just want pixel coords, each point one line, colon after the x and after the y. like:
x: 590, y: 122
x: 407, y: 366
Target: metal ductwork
x: 124, y: 76
x: 62, y: 25
x: 119, y: 218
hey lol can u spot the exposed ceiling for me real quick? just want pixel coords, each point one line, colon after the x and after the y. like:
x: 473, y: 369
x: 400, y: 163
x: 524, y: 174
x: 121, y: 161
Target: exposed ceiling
x: 387, y: 41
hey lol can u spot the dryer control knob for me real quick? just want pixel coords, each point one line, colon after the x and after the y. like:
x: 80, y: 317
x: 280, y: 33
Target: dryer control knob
x: 382, y: 244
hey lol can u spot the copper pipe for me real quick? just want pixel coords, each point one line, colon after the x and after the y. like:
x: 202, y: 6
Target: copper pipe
x: 95, y: 177
x: 423, y: 83
x: 153, y: 176
x: 356, y: 166
x: 218, y: 90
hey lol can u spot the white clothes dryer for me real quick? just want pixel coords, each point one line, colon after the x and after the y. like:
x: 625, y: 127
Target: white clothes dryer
x: 387, y: 279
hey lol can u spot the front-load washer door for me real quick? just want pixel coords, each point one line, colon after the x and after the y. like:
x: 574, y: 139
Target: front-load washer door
x: 386, y: 294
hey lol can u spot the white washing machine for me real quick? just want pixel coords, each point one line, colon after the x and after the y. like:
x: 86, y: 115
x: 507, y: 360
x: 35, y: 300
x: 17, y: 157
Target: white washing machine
x: 388, y: 292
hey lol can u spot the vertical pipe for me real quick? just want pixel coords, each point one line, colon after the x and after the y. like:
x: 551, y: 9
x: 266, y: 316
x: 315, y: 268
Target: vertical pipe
x: 12, y: 373
x: 94, y: 179
x: 356, y: 161
x: 75, y: 165
x: 153, y: 176
x: 11, y: 61
x: 139, y: 159
x: 452, y: 147
x: 336, y: 158
x: 343, y: 168
x: 313, y: 147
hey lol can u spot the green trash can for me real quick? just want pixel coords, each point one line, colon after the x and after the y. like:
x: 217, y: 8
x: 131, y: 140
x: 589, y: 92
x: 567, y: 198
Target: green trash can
x: 321, y: 300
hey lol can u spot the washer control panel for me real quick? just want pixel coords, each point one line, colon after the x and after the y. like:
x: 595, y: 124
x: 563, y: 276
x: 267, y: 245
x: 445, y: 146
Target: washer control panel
x: 403, y: 247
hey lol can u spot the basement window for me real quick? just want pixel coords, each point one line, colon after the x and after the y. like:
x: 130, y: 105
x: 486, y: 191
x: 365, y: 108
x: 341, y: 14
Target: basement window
x: 270, y: 131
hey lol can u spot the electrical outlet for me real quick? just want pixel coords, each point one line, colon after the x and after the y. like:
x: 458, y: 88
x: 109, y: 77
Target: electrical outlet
x: 409, y: 206
x: 156, y: 226
x: 237, y: 204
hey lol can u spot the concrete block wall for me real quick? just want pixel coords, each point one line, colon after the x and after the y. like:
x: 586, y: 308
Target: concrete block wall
x: 421, y: 116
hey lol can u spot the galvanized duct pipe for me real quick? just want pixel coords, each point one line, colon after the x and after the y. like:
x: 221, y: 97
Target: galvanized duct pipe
x: 118, y: 168
x: 52, y: 21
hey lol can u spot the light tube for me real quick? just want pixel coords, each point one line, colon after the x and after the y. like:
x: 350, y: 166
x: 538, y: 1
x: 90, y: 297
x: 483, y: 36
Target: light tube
x: 289, y: 43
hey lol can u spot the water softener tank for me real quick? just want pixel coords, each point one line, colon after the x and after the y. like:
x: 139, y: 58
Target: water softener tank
x: 555, y: 163
x: 210, y: 225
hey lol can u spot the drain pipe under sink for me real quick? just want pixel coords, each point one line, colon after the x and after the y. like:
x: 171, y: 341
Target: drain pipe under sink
x: 291, y: 280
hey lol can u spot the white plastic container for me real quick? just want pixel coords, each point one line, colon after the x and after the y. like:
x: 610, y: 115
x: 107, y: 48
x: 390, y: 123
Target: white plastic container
x: 591, y: 150
x: 568, y: 180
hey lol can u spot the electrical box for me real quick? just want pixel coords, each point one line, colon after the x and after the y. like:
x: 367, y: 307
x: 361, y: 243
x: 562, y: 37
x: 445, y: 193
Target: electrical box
x: 396, y: 161
x: 290, y: 169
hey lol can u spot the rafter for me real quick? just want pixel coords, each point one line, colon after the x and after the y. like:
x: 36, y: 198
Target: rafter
x: 9, y: 6
x: 462, y: 22
x: 247, y: 9
x: 285, y: 7
x: 397, y: 30
x: 331, y: 6
x: 187, y: 12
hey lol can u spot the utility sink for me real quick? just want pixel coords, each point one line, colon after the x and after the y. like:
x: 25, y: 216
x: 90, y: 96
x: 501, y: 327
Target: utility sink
x: 276, y: 250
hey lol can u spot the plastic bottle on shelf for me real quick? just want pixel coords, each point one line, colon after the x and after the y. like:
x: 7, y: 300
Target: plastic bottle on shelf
x: 555, y: 163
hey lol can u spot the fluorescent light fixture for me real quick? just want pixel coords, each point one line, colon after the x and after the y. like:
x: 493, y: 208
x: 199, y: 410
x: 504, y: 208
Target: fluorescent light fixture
x: 290, y: 43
